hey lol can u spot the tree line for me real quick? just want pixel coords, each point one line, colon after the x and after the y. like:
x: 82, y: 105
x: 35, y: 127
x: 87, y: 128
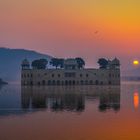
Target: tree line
x: 59, y: 63
x: 55, y: 62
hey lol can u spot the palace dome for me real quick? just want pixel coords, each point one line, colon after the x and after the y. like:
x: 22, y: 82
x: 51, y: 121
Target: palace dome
x: 115, y: 62
x: 25, y: 62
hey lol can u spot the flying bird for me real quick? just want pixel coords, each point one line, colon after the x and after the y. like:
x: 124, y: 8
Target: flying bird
x: 96, y: 32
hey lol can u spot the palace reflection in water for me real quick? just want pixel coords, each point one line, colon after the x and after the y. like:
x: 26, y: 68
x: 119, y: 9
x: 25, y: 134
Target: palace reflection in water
x: 70, y: 112
x: 69, y: 98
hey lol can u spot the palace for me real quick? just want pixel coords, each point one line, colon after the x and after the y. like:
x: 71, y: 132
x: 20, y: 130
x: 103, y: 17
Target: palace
x: 71, y: 74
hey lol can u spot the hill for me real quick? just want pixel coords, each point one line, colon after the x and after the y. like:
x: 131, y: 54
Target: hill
x: 10, y: 61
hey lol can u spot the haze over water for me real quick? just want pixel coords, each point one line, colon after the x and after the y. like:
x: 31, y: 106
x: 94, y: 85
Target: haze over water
x: 65, y: 113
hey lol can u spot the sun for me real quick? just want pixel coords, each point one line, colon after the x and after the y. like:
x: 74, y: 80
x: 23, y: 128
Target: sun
x: 136, y: 62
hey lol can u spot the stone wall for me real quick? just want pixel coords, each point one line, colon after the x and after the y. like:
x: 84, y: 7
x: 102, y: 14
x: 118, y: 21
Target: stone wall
x: 70, y: 77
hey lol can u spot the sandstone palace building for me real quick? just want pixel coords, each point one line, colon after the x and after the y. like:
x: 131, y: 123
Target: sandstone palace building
x: 71, y: 74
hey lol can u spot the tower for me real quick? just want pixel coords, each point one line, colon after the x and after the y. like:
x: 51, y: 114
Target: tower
x: 116, y: 63
x: 25, y: 64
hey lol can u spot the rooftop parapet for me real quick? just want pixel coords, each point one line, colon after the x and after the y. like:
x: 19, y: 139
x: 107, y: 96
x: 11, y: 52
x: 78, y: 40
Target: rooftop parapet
x: 25, y: 64
x: 70, y: 64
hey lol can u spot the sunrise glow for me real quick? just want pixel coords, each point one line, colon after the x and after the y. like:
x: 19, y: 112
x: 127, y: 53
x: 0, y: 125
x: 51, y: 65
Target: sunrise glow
x: 135, y: 62
x: 71, y: 28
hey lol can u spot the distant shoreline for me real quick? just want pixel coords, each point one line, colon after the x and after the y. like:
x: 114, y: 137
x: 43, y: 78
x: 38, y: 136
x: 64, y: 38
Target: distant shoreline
x: 130, y: 78
x: 3, y: 82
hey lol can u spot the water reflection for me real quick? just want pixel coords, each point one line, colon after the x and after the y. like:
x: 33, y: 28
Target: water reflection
x: 136, y: 100
x: 109, y: 101
x: 70, y: 98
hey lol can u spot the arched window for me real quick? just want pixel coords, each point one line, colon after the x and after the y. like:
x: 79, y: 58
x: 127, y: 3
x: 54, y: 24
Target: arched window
x: 91, y: 82
x: 109, y: 82
x: 58, y: 82
x: 102, y: 83
x: 96, y: 82
x: 70, y: 82
x: 31, y: 83
x: 86, y: 82
x: 62, y: 82
x: 77, y: 82
x: 53, y: 82
x: 38, y: 83
x: 73, y: 82
x: 81, y: 82
x: 24, y: 83
x: 66, y: 82
x: 43, y: 82
x: 49, y: 82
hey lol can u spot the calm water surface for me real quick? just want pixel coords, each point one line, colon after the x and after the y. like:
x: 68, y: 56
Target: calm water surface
x: 70, y: 113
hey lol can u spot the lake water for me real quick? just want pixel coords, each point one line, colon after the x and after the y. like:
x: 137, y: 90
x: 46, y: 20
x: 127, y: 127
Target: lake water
x: 70, y: 113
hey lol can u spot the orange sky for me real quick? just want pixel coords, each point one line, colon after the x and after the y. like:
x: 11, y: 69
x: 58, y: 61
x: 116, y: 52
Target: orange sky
x: 67, y: 28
